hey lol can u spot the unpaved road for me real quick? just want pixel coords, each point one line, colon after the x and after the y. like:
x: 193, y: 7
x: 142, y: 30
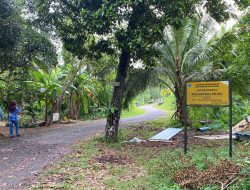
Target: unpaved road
x: 21, y: 158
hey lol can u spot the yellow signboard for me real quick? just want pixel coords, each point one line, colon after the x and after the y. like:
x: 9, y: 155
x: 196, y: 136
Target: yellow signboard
x: 211, y: 93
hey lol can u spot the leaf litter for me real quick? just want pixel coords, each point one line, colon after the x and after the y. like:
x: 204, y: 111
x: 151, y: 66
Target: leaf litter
x: 223, y: 174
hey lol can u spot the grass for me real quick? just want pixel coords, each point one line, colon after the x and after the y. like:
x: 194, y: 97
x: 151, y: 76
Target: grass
x: 165, y: 106
x: 135, y: 111
x: 131, y: 112
x: 144, y: 167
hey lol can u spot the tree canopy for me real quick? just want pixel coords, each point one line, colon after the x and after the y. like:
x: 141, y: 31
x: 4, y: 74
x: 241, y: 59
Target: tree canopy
x: 10, y: 33
x: 20, y: 42
x: 239, y: 58
x: 134, y: 25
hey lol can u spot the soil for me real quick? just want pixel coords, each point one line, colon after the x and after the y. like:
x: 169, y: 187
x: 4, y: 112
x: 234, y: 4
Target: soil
x: 111, y: 157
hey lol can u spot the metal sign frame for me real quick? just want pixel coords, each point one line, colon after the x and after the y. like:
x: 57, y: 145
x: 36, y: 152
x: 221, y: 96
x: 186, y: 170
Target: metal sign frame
x: 185, y: 106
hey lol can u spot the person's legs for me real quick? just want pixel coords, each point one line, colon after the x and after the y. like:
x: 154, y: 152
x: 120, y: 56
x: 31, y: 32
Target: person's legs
x: 11, y: 128
x: 17, y: 128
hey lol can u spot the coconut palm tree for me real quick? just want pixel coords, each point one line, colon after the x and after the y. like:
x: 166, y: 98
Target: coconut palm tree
x: 185, y: 54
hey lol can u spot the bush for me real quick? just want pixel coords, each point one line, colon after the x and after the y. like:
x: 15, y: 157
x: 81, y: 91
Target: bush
x: 220, y: 115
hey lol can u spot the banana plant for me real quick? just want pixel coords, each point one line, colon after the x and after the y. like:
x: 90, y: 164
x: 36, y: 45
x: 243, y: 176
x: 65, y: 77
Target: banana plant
x: 80, y: 96
x: 48, y: 86
x: 65, y: 83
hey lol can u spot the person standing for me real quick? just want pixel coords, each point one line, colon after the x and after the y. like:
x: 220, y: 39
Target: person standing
x: 1, y: 114
x: 13, y: 112
x: 2, y: 119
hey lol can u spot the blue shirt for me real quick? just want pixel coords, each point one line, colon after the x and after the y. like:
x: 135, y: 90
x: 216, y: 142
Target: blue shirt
x: 14, y: 115
x: 1, y: 114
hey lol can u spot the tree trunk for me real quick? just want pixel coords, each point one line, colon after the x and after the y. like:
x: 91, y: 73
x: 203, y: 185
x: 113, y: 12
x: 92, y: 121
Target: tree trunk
x: 179, y: 93
x: 46, y: 109
x: 70, y: 106
x: 116, y: 102
x: 73, y: 107
x: 179, y: 103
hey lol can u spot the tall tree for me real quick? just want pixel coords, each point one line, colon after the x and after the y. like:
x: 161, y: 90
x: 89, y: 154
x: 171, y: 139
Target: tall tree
x: 20, y: 42
x: 128, y: 27
x: 239, y: 60
x: 10, y: 33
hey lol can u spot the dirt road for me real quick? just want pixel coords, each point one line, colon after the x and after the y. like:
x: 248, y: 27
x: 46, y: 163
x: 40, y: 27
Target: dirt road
x: 21, y: 158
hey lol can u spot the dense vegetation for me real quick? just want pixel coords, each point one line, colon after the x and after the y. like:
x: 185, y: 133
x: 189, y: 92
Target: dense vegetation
x: 81, y: 59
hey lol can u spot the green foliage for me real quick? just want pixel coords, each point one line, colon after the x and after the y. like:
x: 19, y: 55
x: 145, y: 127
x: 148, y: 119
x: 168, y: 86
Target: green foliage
x: 86, y: 104
x: 138, y: 82
x: 47, y: 83
x: 243, y: 4
x: 132, y: 111
x: 241, y: 109
x: 193, y: 46
x: 21, y: 43
x: 169, y: 101
x: 77, y: 23
x: 101, y: 107
x: 154, y: 93
x: 245, y: 184
x: 240, y: 59
x: 63, y: 86
x: 10, y: 31
x: 213, y: 6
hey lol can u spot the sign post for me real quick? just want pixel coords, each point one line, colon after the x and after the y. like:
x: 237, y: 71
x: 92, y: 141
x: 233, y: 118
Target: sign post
x: 209, y: 93
x: 185, y: 121
x: 230, y: 120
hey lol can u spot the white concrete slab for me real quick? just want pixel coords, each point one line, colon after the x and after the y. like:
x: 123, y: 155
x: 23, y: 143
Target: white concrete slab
x: 214, y: 137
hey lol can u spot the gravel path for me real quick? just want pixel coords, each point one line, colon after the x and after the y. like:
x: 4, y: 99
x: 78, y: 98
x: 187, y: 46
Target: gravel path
x: 22, y: 158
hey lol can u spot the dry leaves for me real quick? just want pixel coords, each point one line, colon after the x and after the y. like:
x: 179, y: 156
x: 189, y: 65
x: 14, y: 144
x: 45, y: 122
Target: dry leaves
x: 223, y: 174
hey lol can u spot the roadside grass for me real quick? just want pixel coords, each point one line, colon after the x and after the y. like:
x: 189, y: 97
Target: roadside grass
x: 165, y: 106
x: 135, y: 111
x: 95, y: 164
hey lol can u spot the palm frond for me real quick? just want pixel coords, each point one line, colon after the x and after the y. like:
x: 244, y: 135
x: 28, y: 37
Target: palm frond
x: 139, y: 80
